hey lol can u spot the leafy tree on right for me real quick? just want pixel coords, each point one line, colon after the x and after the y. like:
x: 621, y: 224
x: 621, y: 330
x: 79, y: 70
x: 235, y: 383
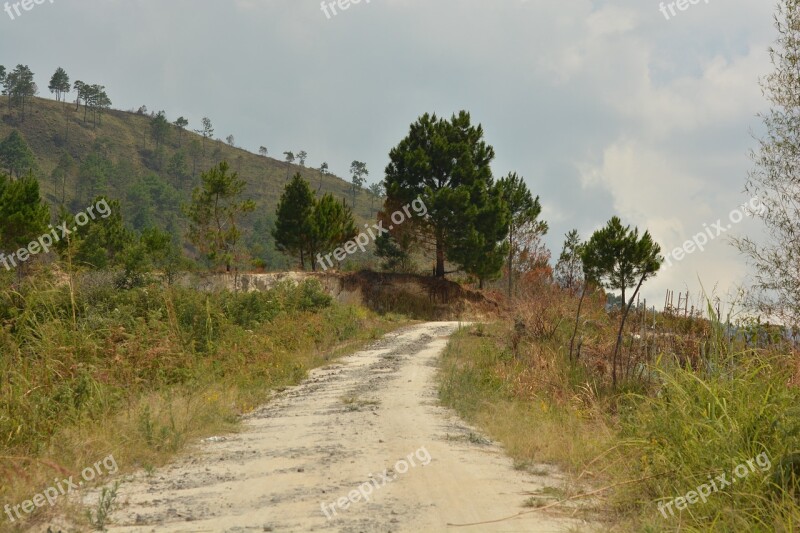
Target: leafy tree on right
x: 774, y: 179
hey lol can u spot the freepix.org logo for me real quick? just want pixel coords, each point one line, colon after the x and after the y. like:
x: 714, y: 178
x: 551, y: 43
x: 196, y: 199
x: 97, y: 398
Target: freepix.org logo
x: 13, y: 8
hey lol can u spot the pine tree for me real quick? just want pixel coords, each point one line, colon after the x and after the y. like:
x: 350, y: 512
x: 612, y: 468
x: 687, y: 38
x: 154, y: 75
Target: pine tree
x: 16, y: 155
x: 446, y: 164
x: 23, y: 214
x: 524, y: 209
x: 569, y: 267
x: 59, y: 84
x: 215, y: 213
x: 293, y: 219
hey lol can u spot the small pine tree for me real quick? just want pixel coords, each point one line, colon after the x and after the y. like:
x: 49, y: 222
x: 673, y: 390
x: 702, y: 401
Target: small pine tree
x: 215, y: 212
x: 293, y: 219
x: 16, y: 155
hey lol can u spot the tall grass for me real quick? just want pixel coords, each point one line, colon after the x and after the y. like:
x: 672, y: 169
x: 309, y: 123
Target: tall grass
x: 141, y: 372
x: 698, y: 402
x: 705, y: 421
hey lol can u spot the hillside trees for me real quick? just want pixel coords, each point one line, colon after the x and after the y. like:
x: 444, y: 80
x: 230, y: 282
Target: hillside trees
x: 159, y: 128
x: 301, y: 157
x: 376, y: 190
x: 99, y: 244
x: 195, y: 151
x: 446, y: 164
x: 94, y: 174
x: 64, y: 170
x: 94, y: 98
x: 23, y: 214
x: 289, y: 160
x: 773, y: 179
x: 207, y: 131
x: 20, y: 88
x: 215, y: 214
x: 59, y: 84
x: 16, y: 155
x: 78, y: 87
x: 306, y: 227
x: 180, y: 123
x: 293, y: 215
x: 177, y: 168
x: 331, y: 225
x: 3, y: 74
x: 262, y: 151
x: 358, y: 171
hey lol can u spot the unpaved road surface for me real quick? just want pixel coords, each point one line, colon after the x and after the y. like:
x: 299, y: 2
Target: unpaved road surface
x: 372, y: 422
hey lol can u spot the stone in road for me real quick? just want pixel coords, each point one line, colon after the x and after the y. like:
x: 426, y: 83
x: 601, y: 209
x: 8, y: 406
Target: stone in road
x: 372, y: 421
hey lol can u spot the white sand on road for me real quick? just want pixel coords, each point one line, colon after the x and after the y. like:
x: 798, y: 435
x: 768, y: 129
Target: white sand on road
x: 319, y: 441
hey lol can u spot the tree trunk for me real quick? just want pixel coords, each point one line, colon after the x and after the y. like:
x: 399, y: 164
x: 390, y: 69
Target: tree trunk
x: 577, y: 319
x: 510, y: 261
x: 439, y: 258
x: 619, y: 332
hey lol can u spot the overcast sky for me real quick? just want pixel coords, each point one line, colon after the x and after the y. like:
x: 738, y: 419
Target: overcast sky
x: 605, y: 107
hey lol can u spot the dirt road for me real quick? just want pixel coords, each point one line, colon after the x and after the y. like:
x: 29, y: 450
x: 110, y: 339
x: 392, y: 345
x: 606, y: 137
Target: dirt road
x: 360, y: 446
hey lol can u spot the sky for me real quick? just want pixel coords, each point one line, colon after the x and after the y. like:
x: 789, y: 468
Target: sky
x: 606, y: 108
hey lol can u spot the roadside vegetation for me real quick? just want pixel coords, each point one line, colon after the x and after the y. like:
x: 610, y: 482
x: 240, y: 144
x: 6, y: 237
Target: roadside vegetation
x: 89, y: 369
x: 704, y: 402
x: 666, y: 420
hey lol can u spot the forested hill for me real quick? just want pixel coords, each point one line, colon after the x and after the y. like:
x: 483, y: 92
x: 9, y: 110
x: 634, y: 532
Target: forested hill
x: 151, y: 166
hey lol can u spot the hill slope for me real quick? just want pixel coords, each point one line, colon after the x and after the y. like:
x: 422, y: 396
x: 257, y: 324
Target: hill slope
x: 118, y: 158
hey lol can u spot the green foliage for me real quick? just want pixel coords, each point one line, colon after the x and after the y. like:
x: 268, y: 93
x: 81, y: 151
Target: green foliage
x: 94, y: 99
x: 59, y: 83
x: 152, y: 202
x: 618, y: 259
x: 23, y: 214
x: 181, y: 123
x: 63, y: 172
x: 478, y: 241
x: 358, y: 171
x: 523, y: 210
x: 292, y: 224
x: 154, y: 250
x: 16, y: 155
x: 306, y: 226
x: 100, y: 243
x: 331, y: 224
x: 703, y: 424
x: 20, y: 88
x: 159, y: 128
x: 94, y: 174
x: 446, y: 164
x: 215, y: 213
x: 127, y: 345
x: 395, y: 254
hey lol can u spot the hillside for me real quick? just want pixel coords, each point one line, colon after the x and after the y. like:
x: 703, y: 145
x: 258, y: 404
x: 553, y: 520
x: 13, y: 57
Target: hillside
x: 118, y: 158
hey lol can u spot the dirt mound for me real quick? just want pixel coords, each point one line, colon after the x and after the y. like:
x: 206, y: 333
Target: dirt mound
x: 421, y: 297
x: 418, y: 296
